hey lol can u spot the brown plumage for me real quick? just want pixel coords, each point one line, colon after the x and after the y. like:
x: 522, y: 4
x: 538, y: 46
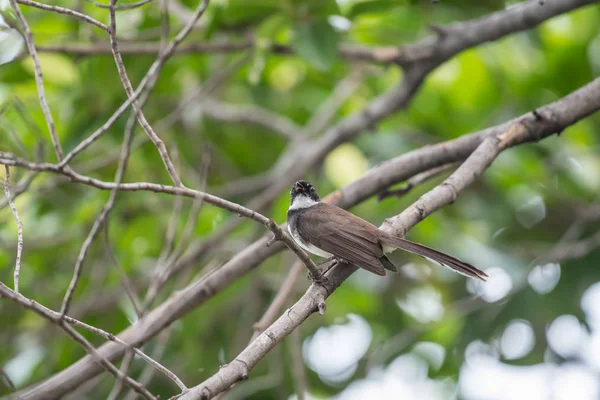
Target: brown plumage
x: 359, y: 242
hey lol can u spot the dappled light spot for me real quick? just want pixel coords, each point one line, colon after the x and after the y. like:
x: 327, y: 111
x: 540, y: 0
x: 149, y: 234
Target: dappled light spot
x: 333, y: 351
x: 370, y: 282
x: 416, y: 271
x: 498, y: 285
x: 590, y: 302
x: 593, y: 53
x: 531, y: 212
x: 21, y: 367
x: 566, y: 335
x: 433, y: 353
x: 517, y: 340
x: 339, y: 23
x: 345, y: 164
x: 477, y: 349
x: 423, y: 304
x: 591, y: 351
x: 585, y: 170
x: 286, y: 75
x: 11, y: 43
x: 544, y: 278
x: 405, y: 378
x: 488, y: 378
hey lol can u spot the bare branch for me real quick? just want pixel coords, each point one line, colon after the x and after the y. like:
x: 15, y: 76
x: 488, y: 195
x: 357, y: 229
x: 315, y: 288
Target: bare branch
x: 99, y: 222
x: 158, y: 352
x: 67, y: 11
x: 19, y: 188
x: 39, y: 80
x: 6, y: 379
x: 394, y: 171
x: 120, y: 6
x: 125, y: 364
x: 571, y: 250
x: 249, y: 114
x: 147, y: 82
x: 415, y: 181
x: 19, y: 227
x: 381, y: 55
x: 342, y: 91
x: 57, y: 319
x: 160, y: 145
x: 283, y: 294
x: 534, y: 126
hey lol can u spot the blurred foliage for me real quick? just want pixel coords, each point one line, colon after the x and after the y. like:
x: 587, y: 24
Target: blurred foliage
x: 517, y: 211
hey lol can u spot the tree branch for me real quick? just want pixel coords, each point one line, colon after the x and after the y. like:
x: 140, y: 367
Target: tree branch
x: 66, y: 11
x: 160, y: 145
x: 531, y: 127
x: 249, y: 114
x: 19, y: 227
x: 39, y: 80
x: 376, y: 180
x: 381, y: 55
x: 58, y: 320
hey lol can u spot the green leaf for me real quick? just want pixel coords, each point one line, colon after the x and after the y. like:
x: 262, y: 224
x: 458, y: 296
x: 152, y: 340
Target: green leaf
x: 315, y: 8
x: 317, y: 43
x: 270, y: 27
x: 375, y: 6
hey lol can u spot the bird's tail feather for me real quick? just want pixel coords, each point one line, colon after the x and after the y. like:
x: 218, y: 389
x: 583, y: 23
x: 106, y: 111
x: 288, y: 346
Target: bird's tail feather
x: 441, y: 258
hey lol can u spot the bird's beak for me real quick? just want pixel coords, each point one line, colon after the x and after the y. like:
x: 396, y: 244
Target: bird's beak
x: 298, y: 187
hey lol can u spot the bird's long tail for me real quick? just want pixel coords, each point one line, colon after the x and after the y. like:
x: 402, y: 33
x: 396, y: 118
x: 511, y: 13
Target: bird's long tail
x: 437, y: 256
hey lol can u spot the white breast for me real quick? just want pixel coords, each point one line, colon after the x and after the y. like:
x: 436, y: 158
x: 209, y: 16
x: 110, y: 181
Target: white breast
x: 308, y: 246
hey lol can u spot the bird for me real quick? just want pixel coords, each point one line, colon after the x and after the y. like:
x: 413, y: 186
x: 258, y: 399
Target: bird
x: 329, y: 231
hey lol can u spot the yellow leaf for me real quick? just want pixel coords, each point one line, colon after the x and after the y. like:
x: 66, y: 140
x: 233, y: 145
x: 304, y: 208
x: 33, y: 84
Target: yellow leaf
x: 345, y: 164
x: 56, y: 69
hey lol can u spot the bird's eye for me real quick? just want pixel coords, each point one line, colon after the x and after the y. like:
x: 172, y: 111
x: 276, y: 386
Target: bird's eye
x: 312, y: 189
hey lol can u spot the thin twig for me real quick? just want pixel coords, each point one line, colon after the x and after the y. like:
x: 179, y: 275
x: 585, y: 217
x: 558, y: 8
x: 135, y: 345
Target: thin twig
x: 127, y: 285
x: 350, y: 52
x: 160, y: 145
x: 157, y: 354
x: 147, y: 81
x: 99, y: 222
x: 416, y: 181
x: 6, y: 379
x: 163, y: 267
x: 278, y: 233
x: 67, y: 11
x: 120, y: 6
x: 125, y: 364
x: 39, y: 80
x: 56, y: 317
x: 20, y: 188
x: 19, y: 227
x: 326, y: 111
x: 283, y: 294
x: 250, y: 114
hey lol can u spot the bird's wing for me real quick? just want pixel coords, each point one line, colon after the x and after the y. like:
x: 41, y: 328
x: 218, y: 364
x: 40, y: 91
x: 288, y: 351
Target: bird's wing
x: 344, y: 235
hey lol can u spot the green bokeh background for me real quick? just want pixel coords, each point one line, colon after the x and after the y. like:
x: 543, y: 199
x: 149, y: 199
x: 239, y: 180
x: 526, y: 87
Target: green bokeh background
x: 479, y: 88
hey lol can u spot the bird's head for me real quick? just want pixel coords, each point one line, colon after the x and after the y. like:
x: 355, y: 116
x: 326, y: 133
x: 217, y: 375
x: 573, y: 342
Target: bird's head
x: 303, y: 190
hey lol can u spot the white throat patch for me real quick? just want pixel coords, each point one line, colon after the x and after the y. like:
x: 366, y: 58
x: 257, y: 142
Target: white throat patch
x: 301, y: 202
